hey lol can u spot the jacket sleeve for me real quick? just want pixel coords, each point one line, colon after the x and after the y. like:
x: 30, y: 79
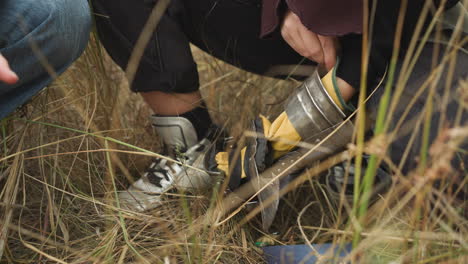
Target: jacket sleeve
x: 344, y: 18
x: 331, y: 17
x: 270, y: 17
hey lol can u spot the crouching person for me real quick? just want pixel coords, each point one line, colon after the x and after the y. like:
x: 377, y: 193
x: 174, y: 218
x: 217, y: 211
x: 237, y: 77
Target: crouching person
x: 264, y: 36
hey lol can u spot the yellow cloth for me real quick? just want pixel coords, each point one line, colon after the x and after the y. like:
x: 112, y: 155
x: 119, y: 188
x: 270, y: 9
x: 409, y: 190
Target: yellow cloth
x: 222, y: 158
x: 281, y: 132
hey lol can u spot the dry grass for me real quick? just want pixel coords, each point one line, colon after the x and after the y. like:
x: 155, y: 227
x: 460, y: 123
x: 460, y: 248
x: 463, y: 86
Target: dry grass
x: 56, y: 175
x: 62, y: 160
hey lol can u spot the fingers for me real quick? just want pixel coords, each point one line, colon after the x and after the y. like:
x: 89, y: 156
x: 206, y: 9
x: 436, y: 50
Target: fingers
x: 6, y: 74
x: 329, y: 47
x: 321, y: 49
x: 290, y: 33
x: 302, y: 40
x: 312, y: 46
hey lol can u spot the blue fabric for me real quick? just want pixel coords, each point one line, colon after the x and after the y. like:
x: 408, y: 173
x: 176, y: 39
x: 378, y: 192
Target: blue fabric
x: 303, y: 253
x: 40, y: 39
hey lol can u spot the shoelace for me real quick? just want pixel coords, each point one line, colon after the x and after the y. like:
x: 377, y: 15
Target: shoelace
x: 162, y: 169
x: 158, y: 171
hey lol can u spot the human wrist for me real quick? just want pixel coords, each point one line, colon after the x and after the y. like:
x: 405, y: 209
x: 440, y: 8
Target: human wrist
x: 338, y: 89
x: 347, y: 91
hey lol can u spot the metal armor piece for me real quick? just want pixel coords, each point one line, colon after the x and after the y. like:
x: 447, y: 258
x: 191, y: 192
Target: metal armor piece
x: 314, y: 115
x: 334, y: 139
x: 311, y: 109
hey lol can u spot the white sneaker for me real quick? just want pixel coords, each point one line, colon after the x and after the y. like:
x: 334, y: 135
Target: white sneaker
x: 193, y: 170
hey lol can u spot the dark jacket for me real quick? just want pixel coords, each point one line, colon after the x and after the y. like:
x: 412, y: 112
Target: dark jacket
x: 344, y: 18
x: 331, y: 17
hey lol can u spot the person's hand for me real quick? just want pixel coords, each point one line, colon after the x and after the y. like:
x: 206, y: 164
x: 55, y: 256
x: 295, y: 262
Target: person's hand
x: 321, y: 49
x: 6, y: 74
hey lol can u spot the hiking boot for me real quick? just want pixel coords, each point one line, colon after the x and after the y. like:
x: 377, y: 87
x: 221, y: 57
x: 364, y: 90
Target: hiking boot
x: 191, y: 166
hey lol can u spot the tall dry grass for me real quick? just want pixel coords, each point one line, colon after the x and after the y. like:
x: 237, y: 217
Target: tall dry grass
x: 65, y: 154
x: 62, y: 152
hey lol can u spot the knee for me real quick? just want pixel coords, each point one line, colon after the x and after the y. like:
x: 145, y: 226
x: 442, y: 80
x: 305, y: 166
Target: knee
x: 71, y: 21
x: 56, y: 30
x: 61, y: 24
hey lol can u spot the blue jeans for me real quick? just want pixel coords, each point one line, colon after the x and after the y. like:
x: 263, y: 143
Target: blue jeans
x: 36, y: 35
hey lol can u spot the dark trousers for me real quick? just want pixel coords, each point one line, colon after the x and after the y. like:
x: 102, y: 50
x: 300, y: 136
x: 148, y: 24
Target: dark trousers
x: 444, y: 115
x: 228, y: 30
